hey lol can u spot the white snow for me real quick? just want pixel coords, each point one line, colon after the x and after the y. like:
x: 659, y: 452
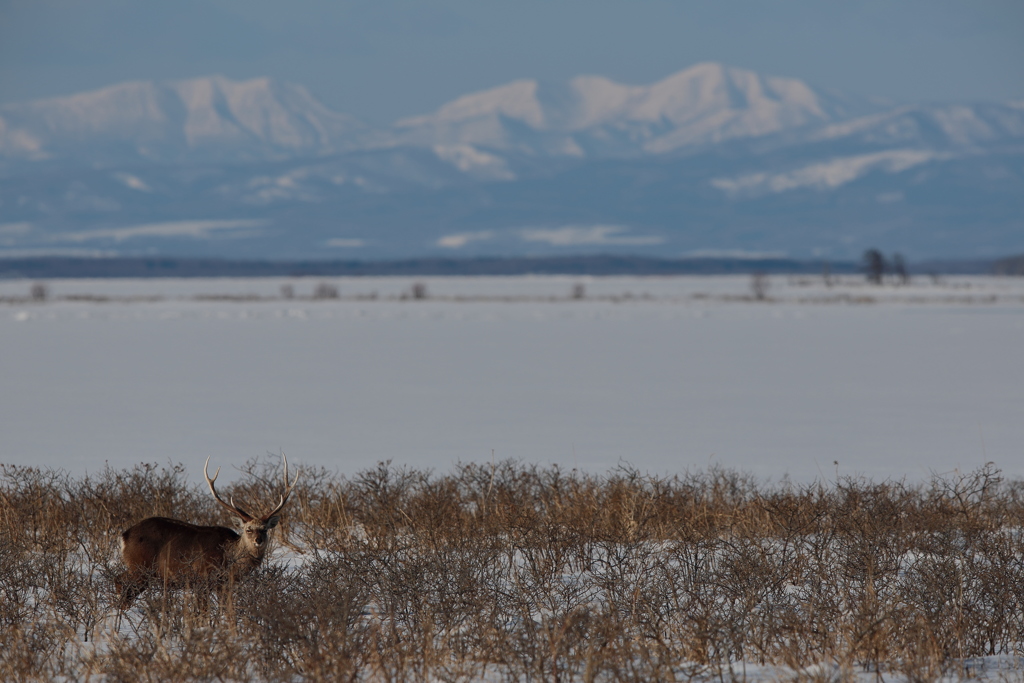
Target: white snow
x: 468, y: 159
x: 574, y: 235
x: 134, y: 182
x: 461, y: 239
x: 171, y: 117
x: 704, y: 103
x: 516, y: 100
x: 666, y: 373
x: 598, y: 100
x: 758, y: 104
x: 827, y: 175
x: 962, y: 126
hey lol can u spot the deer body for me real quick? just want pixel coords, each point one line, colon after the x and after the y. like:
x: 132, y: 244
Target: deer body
x: 170, y: 547
x: 180, y: 553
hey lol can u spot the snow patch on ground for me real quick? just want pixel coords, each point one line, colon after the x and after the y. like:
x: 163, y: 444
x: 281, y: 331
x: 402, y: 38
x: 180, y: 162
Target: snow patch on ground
x: 666, y: 373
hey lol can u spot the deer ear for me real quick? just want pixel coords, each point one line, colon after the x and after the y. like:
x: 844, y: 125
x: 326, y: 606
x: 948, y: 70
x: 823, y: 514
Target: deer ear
x: 272, y: 522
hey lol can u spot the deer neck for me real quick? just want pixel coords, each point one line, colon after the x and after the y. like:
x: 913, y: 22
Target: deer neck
x: 246, y: 555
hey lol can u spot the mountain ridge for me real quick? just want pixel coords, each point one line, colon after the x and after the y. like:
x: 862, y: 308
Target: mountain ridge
x: 215, y: 118
x: 710, y: 158
x: 235, y: 120
x: 704, y: 104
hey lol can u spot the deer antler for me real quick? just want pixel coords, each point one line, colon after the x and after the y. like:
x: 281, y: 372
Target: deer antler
x: 287, y: 490
x: 245, y: 516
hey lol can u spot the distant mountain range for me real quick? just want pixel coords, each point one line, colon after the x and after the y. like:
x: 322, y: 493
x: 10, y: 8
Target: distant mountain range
x: 711, y: 161
x: 203, y: 119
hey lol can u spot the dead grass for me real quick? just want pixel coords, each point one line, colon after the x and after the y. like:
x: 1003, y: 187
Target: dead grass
x: 518, y: 572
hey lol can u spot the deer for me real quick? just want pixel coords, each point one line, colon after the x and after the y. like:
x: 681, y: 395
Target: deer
x: 183, y: 554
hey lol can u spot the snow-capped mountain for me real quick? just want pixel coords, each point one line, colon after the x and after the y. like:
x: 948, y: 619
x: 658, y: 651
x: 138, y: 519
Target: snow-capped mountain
x: 595, y: 116
x: 711, y: 158
x: 936, y: 126
x: 215, y: 118
x: 210, y: 118
x: 889, y: 143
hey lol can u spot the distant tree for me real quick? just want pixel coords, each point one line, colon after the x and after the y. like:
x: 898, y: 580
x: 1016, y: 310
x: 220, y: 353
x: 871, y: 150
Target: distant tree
x: 287, y: 292
x: 759, y: 286
x: 39, y: 292
x: 419, y: 290
x: 325, y: 290
x: 899, y: 268
x: 874, y: 266
x: 578, y: 291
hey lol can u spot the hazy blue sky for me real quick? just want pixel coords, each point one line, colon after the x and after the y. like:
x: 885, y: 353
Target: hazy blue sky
x: 383, y: 59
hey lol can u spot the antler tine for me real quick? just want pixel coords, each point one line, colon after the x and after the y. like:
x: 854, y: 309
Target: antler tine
x: 245, y: 516
x: 287, y: 489
x: 288, y: 486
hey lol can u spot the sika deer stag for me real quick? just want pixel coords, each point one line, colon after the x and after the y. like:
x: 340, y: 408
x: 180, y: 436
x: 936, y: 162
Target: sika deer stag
x: 180, y: 553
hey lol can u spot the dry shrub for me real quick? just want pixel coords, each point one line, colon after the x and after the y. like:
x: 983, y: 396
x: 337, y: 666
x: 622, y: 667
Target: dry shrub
x: 509, y: 571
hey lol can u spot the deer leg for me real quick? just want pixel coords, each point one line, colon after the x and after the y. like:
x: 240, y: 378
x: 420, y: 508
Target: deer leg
x: 201, y: 591
x: 129, y: 587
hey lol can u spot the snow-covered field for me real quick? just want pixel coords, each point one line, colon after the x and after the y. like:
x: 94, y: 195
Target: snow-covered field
x: 665, y: 373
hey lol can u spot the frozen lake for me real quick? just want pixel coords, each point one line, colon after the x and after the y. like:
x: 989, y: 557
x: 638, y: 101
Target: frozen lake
x: 667, y: 374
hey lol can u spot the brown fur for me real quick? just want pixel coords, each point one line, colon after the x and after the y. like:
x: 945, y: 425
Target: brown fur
x: 180, y: 553
x: 177, y: 553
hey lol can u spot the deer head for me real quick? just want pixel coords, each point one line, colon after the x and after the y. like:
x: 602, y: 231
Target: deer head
x: 254, y: 529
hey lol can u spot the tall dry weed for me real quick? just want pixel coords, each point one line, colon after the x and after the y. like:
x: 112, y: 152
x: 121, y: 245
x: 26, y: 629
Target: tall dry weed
x: 518, y: 572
